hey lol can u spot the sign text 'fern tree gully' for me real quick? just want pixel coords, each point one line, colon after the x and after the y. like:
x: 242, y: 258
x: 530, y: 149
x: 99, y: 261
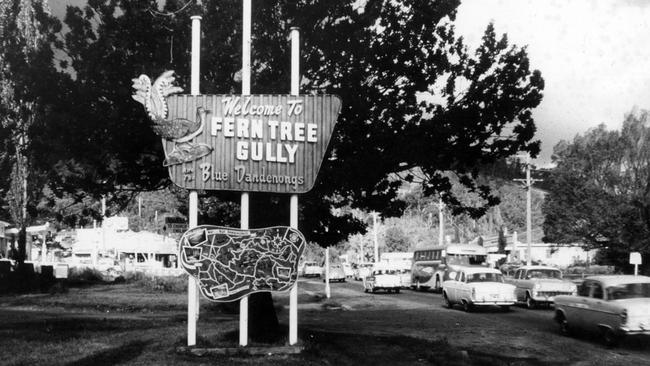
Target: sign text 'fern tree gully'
x: 258, y: 143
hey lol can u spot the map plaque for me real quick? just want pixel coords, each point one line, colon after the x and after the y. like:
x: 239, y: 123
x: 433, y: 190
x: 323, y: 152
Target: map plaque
x: 231, y: 263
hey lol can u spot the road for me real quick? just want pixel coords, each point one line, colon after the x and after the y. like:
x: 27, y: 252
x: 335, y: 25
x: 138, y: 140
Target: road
x: 519, y: 334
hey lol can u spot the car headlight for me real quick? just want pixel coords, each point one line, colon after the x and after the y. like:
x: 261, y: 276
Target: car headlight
x: 623, y: 317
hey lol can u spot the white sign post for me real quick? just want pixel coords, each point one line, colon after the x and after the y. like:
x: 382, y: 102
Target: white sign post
x: 327, y: 272
x: 193, y: 301
x: 278, y: 147
x: 635, y: 258
x: 293, y: 201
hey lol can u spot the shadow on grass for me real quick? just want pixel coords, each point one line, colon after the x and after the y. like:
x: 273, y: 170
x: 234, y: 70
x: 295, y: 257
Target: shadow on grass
x: 355, y: 349
x: 63, y: 329
x: 113, y: 356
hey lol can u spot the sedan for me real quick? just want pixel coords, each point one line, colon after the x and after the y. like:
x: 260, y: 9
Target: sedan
x: 336, y: 273
x: 613, y: 306
x: 477, y: 286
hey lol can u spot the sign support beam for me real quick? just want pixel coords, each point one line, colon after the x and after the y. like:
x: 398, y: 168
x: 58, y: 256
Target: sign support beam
x: 244, y: 216
x: 192, y: 285
x: 293, y: 204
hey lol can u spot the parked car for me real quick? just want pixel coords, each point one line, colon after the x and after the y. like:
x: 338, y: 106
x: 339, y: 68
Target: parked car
x: 538, y: 285
x: 363, y: 270
x: 347, y: 268
x: 405, y: 277
x: 109, y: 267
x: 311, y: 269
x: 477, y: 286
x: 336, y: 273
x: 611, y: 305
x: 382, y: 278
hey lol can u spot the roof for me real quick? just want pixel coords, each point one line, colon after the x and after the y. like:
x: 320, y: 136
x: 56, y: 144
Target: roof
x: 479, y: 269
x: 613, y: 280
x: 466, y: 248
x: 538, y: 267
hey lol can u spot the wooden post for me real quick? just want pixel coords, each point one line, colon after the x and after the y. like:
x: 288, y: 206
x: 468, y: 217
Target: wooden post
x: 374, y: 236
x: 327, y: 272
x: 244, y: 214
x: 192, y: 285
x: 293, y: 295
x: 529, y: 237
x: 441, y: 222
x: 293, y: 203
x: 528, y: 183
x: 243, y: 303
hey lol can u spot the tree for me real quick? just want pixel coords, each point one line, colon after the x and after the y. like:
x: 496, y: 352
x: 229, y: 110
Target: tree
x: 599, y: 191
x: 26, y: 36
x: 414, y: 96
x: 396, y: 240
x: 417, y: 101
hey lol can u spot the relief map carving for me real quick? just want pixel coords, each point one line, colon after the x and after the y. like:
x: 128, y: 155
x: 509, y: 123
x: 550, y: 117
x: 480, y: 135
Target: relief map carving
x: 231, y: 263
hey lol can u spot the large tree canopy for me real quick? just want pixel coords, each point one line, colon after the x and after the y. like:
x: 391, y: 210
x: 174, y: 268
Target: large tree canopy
x: 600, y: 190
x: 417, y: 103
x: 28, y: 82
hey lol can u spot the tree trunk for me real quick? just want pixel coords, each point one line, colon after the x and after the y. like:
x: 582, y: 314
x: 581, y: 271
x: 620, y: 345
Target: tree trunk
x: 22, y: 246
x: 263, y: 325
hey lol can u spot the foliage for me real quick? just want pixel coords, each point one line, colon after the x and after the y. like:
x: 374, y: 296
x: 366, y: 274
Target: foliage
x: 84, y: 275
x: 26, y: 34
x: 600, y: 191
x: 168, y: 284
x: 396, y: 240
x: 414, y: 97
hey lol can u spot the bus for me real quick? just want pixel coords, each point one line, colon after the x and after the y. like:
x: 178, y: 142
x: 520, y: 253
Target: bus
x: 430, y: 264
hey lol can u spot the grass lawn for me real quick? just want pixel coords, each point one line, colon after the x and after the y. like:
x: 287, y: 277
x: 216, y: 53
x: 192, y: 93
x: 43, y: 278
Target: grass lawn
x: 130, y: 324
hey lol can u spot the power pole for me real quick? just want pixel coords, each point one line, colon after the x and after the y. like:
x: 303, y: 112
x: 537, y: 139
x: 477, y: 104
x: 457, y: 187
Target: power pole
x: 374, y: 234
x: 441, y: 222
x: 528, y: 183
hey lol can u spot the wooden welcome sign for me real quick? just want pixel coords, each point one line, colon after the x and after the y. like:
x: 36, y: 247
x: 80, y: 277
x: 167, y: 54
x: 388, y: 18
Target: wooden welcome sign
x: 256, y: 143
x: 260, y: 143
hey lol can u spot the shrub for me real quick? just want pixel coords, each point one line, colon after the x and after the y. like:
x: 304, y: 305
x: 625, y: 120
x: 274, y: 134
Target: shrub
x: 85, y: 275
x: 172, y: 284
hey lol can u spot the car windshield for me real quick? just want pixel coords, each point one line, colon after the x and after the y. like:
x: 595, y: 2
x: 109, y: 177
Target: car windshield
x: 464, y: 259
x: 628, y: 291
x: 484, y: 277
x: 544, y: 273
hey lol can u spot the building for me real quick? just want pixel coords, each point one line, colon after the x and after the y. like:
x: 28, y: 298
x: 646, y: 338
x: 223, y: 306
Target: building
x: 560, y: 255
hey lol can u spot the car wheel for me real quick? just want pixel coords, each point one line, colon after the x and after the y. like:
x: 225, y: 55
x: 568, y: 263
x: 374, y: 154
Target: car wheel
x: 365, y: 290
x: 564, y: 325
x: 530, y: 303
x: 373, y: 290
x: 467, y: 307
x: 447, y: 301
x: 610, y: 338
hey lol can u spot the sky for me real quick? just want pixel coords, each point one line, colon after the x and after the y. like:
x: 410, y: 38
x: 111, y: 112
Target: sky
x: 593, y: 55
